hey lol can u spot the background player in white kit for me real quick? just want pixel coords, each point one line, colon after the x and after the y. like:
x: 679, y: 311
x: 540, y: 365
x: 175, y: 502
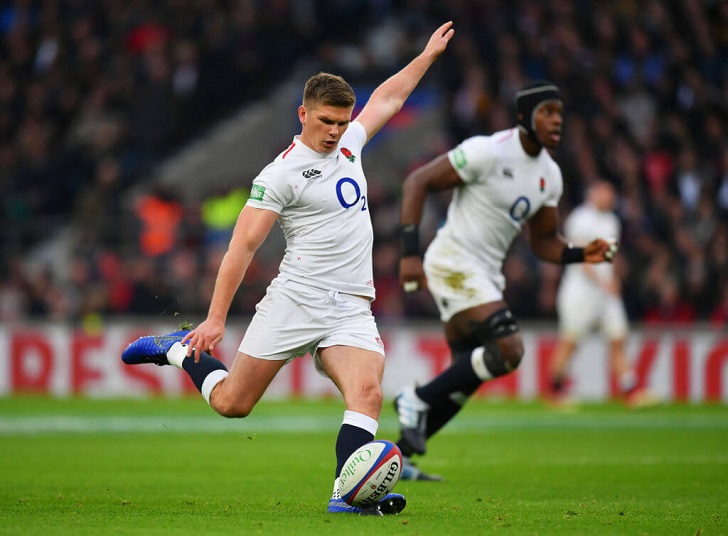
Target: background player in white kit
x: 320, y: 301
x: 500, y: 182
x: 589, y: 297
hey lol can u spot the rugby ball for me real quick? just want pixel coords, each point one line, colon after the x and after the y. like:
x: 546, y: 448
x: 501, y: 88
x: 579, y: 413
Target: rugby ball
x: 370, y: 473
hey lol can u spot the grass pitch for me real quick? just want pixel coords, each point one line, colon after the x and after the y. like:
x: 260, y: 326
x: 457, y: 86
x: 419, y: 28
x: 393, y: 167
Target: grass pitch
x: 162, y: 467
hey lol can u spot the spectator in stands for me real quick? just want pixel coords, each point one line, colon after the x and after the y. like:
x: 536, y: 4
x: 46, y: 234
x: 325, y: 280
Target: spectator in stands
x: 160, y: 214
x: 71, y: 78
x: 670, y: 308
x: 97, y: 212
x: 220, y: 212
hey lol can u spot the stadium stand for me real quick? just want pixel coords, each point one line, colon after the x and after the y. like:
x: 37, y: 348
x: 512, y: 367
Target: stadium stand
x: 103, y: 104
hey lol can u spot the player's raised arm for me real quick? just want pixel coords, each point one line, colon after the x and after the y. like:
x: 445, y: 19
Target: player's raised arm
x: 389, y: 97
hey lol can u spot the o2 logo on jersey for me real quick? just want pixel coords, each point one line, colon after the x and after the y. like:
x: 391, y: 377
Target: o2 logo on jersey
x: 520, y: 208
x: 349, y: 193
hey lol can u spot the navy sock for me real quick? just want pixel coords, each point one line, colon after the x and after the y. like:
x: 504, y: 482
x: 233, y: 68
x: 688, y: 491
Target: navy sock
x: 459, y: 380
x: 350, y: 438
x: 444, y: 409
x: 199, y: 371
x: 459, y: 377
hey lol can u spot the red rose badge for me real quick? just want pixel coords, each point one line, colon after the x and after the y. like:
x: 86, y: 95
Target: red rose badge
x: 347, y: 153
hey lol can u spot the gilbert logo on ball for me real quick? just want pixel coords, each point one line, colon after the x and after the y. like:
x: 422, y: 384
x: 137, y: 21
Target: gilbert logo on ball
x: 370, y: 473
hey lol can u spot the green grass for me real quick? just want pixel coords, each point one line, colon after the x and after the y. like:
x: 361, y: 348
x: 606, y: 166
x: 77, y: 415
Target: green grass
x: 159, y: 467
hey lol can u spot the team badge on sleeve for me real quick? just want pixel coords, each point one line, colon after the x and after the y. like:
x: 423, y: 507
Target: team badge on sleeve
x: 459, y: 158
x: 257, y: 192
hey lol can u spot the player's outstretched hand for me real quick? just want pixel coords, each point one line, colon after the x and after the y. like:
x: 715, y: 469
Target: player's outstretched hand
x: 439, y: 40
x: 204, y: 337
x: 600, y: 250
x: 411, y: 274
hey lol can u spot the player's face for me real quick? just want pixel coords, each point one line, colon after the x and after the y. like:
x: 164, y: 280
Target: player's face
x: 604, y: 196
x: 549, y: 118
x: 323, y: 126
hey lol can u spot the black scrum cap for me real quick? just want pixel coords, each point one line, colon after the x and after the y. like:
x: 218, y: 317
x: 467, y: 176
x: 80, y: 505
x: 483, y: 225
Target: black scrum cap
x: 529, y: 99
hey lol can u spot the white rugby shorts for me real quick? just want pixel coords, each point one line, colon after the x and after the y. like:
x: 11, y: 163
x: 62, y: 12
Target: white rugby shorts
x: 293, y: 319
x: 458, y: 281
x: 581, y: 310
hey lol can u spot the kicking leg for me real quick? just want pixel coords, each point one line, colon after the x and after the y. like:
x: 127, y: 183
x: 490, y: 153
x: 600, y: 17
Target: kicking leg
x: 168, y: 350
x: 231, y: 394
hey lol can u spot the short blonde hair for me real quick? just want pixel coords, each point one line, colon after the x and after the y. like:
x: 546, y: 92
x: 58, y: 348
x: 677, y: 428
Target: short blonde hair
x: 328, y: 90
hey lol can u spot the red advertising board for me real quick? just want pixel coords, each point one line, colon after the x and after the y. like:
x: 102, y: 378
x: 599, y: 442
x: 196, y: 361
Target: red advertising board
x: 63, y: 361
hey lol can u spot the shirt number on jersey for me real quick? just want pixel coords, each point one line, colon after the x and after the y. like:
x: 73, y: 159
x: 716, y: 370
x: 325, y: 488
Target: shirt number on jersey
x: 520, y: 208
x: 349, y: 197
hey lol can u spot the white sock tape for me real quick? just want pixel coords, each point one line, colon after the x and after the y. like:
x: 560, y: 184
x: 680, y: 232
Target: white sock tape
x: 176, y: 354
x: 361, y: 421
x: 210, y: 381
x: 477, y: 360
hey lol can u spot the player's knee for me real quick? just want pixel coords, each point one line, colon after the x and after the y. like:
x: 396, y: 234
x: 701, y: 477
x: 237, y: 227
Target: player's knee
x: 502, y: 343
x: 234, y: 411
x: 373, y: 395
x: 231, y: 407
x: 367, y: 398
x: 511, y: 348
x: 499, y: 357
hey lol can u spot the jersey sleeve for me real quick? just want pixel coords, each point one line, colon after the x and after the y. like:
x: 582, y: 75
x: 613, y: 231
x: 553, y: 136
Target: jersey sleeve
x: 555, y: 186
x: 472, y: 158
x: 270, y: 191
x: 355, y: 136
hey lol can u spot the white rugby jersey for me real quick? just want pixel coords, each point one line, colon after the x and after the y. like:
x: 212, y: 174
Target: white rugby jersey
x: 323, y: 210
x: 504, y: 187
x: 584, y: 224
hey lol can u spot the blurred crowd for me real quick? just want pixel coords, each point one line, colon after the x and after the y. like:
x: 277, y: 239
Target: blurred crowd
x: 94, y: 94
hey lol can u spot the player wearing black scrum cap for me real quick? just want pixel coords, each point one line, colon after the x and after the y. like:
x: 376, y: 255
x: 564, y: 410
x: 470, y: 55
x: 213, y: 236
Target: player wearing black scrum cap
x: 499, y: 182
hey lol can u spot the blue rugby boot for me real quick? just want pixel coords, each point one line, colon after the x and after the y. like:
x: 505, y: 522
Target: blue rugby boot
x: 390, y: 504
x: 152, y: 348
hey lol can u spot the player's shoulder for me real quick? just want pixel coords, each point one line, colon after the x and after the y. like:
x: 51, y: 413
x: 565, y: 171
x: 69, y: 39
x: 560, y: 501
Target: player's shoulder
x: 355, y: 129
x: 274, y: 169
x: 500, y: 138
x: 278, y: 171
x: 581, y: 212
x: 482, y: 147
x: 589, y: 216
x: 355, y: 135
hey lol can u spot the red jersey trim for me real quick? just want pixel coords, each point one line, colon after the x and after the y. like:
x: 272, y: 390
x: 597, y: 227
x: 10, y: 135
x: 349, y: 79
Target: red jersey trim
x: 506, y: 136
x: 288, y: 150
